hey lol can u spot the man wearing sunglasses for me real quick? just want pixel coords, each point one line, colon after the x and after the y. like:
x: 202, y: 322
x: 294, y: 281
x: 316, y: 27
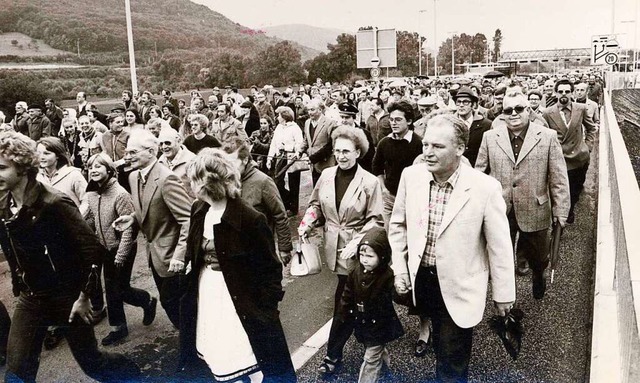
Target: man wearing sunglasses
x: 466, y: 103
x: 568, y: 119
x: 527, y: 160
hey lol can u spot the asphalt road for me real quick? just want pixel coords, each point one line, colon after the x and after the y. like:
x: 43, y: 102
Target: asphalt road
x: 555, y: 347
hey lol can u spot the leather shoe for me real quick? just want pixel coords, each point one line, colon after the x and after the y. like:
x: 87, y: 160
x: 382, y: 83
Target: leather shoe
x: 539, y: 285
x: 523, y: 270
x: 53, y: 338
x: 150, y: 312
x: 422, y: 347
x: 115, y: 336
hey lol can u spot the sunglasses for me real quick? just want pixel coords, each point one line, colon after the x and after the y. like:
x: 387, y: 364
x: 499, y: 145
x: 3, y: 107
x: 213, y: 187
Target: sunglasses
x: 563, y: 91
x: 519, y: 109
x: 166, y: 143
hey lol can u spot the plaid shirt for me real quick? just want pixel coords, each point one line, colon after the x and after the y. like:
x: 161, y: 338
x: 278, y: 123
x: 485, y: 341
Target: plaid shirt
x: 439, y: 194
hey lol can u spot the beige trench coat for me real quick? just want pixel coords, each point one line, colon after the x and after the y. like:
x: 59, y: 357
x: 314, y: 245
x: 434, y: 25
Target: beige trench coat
x: 360, y: 210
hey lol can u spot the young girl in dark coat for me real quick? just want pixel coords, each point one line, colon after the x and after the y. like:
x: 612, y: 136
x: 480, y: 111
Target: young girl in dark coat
x: 367, y: 301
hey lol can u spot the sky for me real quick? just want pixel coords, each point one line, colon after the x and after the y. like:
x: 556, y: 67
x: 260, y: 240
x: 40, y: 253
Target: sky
x: 525, y: 24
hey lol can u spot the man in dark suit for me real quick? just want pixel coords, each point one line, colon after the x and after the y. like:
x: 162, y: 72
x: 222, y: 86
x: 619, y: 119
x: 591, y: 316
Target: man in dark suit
x: 317, y: 133
x: 162, y: 210
x: 568, y: 119
x: 527, y: 160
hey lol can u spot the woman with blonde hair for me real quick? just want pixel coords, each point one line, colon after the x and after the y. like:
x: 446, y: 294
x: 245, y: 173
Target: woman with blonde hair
x: 230, y: 308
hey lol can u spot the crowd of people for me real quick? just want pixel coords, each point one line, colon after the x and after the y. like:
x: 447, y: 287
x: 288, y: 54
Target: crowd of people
x: 420, y: 191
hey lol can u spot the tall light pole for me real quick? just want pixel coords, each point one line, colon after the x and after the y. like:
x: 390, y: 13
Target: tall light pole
x: 132, y: 58
x: 420, y: 46
x: 435, y: 41
x: 453, y: 55
x: 629, y: 44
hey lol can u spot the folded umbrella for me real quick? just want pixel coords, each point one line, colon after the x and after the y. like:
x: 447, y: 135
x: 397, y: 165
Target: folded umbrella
x: 554, y: 247
x: 509, y: 329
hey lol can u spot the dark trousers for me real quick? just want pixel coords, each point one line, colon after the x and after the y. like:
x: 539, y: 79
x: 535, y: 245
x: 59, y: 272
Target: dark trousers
x: 452, y: 343
x: 576, y: 183
x: 315, y: 176
x: 30, y: 320
x: 340, y: 330
x: 532, y: 247
x: 5, y: 325
x: 170, y: 291
x: 118, y: 288
x: 97, y: 297
x: 291, y: 197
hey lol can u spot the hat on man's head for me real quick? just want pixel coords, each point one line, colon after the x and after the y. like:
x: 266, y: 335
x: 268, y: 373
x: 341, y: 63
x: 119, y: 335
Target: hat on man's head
x: 348, y: 109
x: 428, y: 101
x: 216, y: 88
x: 36, y: 106
x: 118, y: 108
x: 246, y: 104
x: 500, y: 90
x: 465, y: 91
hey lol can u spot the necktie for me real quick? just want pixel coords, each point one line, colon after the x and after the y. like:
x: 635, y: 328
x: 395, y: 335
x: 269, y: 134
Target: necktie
x: 567, y: 115
x: 141, y: 185
x: 312, y: 130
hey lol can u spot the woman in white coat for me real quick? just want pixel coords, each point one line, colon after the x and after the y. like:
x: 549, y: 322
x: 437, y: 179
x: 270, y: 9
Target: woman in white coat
x: 347, y: 202
x: 286, y: 148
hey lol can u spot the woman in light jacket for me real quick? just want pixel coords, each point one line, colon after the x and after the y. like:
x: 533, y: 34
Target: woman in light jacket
x: 288, y: 142
x: 106, y: 201
x: 347, y: 201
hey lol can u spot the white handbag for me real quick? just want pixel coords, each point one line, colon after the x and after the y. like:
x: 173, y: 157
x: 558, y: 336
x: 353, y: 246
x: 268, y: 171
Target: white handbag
x: 307, y: 259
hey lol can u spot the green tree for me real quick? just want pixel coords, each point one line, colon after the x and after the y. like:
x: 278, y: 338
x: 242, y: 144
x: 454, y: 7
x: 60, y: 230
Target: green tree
x: 336, y: 65
x: 278, y: 64
x: 20, y: 86
x: 497, y: 44
x: 226, y: 69
x: 468, y: 49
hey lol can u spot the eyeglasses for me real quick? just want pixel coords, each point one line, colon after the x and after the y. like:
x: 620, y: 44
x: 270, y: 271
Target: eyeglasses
x: 463, y: 102
x: 519, y: 109
x: 166, y: 143
x: 563, y: 91
x: 534, y: 99
x: 344, y: 152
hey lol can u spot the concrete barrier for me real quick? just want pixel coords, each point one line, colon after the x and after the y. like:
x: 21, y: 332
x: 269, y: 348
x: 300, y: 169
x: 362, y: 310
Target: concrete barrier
x: 615, y: 352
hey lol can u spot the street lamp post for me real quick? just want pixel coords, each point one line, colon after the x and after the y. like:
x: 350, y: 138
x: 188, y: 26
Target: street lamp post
x: 453, y: 57
x: 132, y: 58
x: 420, y: 47
x: 435, y: 41
x: 629, y: 43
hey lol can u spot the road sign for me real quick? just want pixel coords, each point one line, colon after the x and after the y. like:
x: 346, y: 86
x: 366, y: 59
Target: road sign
x: 376, y: 43
x: 375, y: 73
x: 604, y: 50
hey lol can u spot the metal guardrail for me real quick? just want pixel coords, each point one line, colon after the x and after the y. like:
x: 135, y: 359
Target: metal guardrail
x: 615, y: 352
